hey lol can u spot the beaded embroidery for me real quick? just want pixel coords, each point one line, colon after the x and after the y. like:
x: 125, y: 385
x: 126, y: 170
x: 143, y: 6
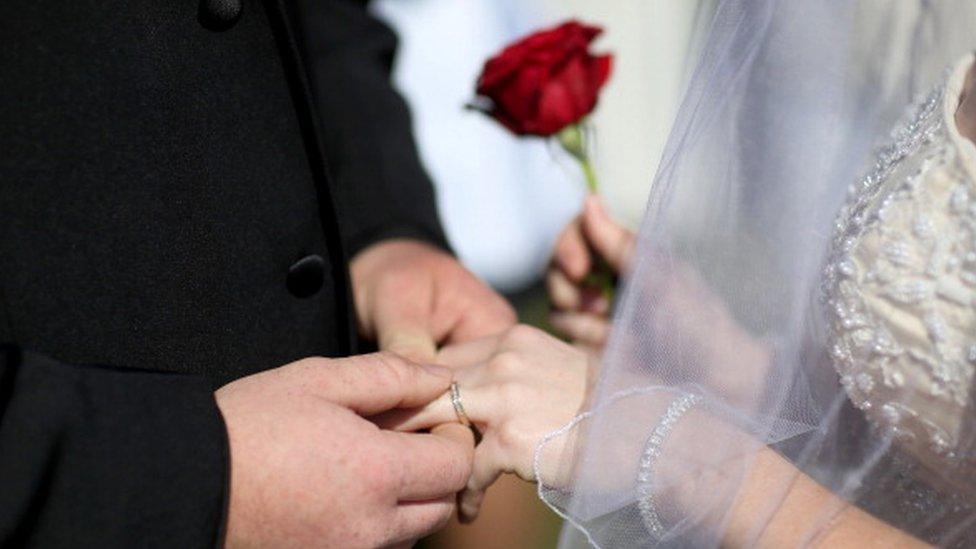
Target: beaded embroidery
x: 920, y: 273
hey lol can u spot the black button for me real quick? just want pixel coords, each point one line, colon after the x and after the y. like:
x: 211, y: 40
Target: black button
x: 219, y: 15
x: 306, y: 275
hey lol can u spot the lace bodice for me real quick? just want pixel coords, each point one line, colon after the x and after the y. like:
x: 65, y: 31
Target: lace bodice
x: 900, y: 283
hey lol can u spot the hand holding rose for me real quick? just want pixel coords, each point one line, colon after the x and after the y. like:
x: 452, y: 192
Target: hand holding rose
x: 581, y: 312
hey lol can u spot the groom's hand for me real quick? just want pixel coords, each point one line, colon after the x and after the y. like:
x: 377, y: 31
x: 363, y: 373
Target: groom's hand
x: 308, y: 471
x: 412, y: 297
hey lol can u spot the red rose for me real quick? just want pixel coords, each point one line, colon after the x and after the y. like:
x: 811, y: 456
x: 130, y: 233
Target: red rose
x: 546, y: 81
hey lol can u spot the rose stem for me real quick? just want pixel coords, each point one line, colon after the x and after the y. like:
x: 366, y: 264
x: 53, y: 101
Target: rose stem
x: 573, y: 140
x: 590, y: 174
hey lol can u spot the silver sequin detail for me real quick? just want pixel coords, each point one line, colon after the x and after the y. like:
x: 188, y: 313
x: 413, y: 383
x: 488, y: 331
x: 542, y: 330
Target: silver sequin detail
x: 652, y: 450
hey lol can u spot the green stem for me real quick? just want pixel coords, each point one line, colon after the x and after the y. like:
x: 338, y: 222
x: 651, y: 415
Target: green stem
x: 591, y: 183
x: 573, y: 140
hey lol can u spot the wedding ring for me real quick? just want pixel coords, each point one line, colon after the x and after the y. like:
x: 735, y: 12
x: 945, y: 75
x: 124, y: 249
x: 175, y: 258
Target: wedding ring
x: 458, y: 407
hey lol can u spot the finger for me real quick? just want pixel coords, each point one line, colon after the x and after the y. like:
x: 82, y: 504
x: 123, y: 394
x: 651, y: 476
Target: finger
x: 572, y: 254
x: 403, y: 325
x: 463, y: 359
x: 585, y: 328
x: 609, y: 239
x: 370, y: 384
x: 433, y: 465
x: 409, y: 342
x: 437, y: 412
x: 418, y: 519
x: 562, y: 291
x: 469, y: 353
x: 486, y: 314
x: 485, y: 472
x: 594, y: 300
x: 566, y: 295
x: 477, y: 406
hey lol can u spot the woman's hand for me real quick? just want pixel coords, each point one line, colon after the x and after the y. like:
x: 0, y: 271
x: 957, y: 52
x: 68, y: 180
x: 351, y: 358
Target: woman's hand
x: 581, y: 312
x: 516, y: 388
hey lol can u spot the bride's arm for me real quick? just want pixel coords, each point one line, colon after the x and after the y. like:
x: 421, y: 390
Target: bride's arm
x: 796, y: 517
x: 521, y: 386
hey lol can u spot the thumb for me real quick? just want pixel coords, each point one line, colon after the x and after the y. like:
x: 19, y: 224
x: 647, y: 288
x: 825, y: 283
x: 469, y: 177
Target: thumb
x: 409, y: 342
x: 403, y: 327
x: 608, y: 239
x: 374, y: 383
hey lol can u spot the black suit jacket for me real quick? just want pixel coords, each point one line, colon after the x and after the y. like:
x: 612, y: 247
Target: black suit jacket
x: 181, y: 185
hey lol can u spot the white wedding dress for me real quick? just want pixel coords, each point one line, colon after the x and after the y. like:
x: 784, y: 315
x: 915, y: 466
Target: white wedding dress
x: 845, y: 342
x: 900, y: 295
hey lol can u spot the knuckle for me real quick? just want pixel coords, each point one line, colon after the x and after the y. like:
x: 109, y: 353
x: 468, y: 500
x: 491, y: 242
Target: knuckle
x: 392, y: 370
x: 510, y: 437
x: 504, y: 364
x: 506, y: 312
x: 390, y: 359
x: 458, y: 471
x: 382, y: 474
x: 453, y: 464
x: 521, y: 334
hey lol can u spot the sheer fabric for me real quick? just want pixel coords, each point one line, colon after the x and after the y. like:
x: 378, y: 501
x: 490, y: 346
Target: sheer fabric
x: 735, y: 342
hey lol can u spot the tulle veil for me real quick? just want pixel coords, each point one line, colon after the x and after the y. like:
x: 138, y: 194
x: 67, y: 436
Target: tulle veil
x: 719, y: 349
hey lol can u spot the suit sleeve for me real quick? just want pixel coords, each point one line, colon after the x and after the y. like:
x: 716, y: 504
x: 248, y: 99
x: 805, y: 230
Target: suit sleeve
x: 381, y: 189
x: 104, y: 457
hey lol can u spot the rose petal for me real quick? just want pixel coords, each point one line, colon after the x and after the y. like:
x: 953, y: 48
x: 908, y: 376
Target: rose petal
x: 520, y: 96
x: 575, y: 77
x: 600, y: 69
x: 556, y: 110
x: 545, y: 81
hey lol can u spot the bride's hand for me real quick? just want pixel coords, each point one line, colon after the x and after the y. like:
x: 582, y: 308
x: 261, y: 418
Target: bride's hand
x: 580, y: 312
x: 516, y: 388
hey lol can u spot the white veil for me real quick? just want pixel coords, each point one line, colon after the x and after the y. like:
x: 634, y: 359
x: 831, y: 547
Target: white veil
x: 719, y: 357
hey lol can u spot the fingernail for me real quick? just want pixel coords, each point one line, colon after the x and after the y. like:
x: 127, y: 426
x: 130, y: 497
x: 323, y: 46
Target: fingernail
x: 595, y: 302
x: 467, y: 513
x: 438, y: 371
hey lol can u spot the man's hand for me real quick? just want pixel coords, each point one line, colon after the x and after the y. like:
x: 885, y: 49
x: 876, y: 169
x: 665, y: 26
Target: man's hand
x: 307, y: 469
x: 412, y: 297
